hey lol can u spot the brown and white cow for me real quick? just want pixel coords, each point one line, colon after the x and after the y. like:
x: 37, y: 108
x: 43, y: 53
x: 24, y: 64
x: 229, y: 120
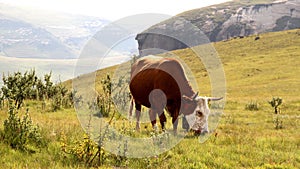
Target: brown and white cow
x: 160, y: 83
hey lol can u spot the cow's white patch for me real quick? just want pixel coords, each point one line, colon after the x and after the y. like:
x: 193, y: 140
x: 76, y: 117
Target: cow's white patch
x: 198, y: 120
x: 191, y: 119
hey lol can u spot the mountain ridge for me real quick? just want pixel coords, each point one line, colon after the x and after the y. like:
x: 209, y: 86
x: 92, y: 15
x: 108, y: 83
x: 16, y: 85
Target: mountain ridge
x: 22, y: 39
x: 44, y: 31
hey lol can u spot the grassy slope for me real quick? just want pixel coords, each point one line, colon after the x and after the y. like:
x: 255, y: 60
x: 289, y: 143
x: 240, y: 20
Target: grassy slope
x: 255, y: 71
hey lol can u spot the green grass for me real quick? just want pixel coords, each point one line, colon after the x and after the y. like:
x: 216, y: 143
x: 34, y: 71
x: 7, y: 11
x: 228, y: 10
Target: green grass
x: 255, y: 71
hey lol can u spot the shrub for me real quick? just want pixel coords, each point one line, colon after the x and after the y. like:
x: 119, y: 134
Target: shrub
x: 92, y: 154
x: 278, y: 123
x: 252, y: 106
x: 86, y: 150
x: 71, y: 99
x: 56, y: 102
x: 275, y: 103
x: 20, y: 133
x: 18, y: 87
x: 101, y: 105
x: 63, y: 98
x: 1, y: 100
x: 82, y: 151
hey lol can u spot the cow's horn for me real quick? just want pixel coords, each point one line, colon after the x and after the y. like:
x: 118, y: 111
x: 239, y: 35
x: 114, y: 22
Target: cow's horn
x: 194, y: 97
x: 215, y: 98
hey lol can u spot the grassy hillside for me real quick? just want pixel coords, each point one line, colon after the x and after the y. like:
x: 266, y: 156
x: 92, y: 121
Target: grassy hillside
x: 256, y: 71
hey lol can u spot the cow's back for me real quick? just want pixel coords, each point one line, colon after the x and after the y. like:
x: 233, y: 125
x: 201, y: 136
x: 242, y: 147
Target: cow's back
x: 152, y: 73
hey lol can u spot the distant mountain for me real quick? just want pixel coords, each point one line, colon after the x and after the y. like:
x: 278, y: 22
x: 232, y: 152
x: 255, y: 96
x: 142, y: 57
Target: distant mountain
x: 32, y: 33
x: 236, y: 18
x: 21, y: 39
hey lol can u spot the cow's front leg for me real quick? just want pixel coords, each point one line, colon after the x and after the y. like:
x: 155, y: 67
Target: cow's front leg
x: 138, y: 108
x: 175, y: 124
x: 138, y: 114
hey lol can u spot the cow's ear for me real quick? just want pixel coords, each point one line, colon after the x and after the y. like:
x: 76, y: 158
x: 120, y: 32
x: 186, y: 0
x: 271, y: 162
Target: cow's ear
x: 186, y: 99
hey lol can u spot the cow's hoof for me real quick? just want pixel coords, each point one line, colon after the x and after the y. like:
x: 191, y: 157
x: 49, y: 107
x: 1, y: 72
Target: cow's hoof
x: 196, y: 132
x: 155, y: 128
x: 204, y: 133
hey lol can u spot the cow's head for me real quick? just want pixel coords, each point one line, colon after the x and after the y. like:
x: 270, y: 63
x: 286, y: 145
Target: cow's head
x: 196, y: 111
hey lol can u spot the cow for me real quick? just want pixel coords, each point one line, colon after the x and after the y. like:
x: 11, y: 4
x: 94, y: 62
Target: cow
x: 160, y: 83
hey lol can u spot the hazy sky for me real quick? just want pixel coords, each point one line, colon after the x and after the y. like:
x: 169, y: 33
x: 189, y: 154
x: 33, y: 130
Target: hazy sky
x: 115, y: 9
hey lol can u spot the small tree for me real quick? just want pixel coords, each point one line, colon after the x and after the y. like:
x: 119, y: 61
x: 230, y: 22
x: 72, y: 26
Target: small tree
x: 17, y: 87
x: 71, y: 99
x: 134, y: 58
x: 48, y: 85
x: 275, y: 103
x: 1, y: 100
x: 121, y: 94
x: 107, y: 86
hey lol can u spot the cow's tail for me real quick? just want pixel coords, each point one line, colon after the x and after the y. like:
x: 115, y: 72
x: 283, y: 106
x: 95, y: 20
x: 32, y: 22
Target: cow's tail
x: 130, y: 108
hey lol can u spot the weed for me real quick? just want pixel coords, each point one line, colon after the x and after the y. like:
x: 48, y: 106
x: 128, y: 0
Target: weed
x: 252, y: 106
x: 275, y: 103
x: 278, y: 122
x: 121, y: 157
x: 81, y: 151
x: 87, y: 150
x: 1, y: 100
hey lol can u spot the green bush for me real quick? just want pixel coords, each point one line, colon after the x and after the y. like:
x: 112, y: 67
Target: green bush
x: 1, y: 100
x: 18, y: 87
x: 92, y: 154
x: 56, y: 102
x: 63, y: 98
x: 101, y: 105
x: 81, y: 151
x: 252, y: 106
x: 21, y: 133
x: 278, y: 122
x: 275, y: 103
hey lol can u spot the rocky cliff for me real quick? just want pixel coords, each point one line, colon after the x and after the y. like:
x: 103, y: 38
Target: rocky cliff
x: 221, y: 22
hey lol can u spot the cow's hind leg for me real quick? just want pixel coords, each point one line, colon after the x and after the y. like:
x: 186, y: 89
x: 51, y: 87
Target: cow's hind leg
x: 175, y: 124
x: 162, y: 118
x: 158, y: 102
x: 175, y: 115
x: 138, y: 108
x: 152, y: 115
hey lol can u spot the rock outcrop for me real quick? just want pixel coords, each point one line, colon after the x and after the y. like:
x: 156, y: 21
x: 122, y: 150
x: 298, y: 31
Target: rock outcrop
x: 220, y: 22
